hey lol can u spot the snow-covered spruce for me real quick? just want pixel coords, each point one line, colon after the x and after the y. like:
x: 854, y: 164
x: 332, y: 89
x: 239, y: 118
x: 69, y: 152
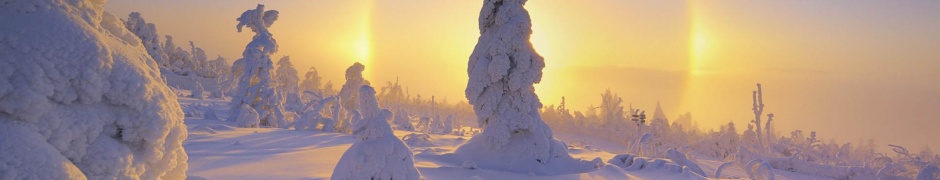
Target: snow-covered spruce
x: 503, y: 69
x: 170, y: 57
x: 259, y: 94
x: 287, y: 80
x: 377, y: 154
x: 80, y: 98
x: 198, y: 91
x: 147, y: 33
x: 286, y: 75
x: 348, y: 99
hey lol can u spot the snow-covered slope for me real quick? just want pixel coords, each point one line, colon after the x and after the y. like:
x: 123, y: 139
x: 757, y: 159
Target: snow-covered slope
x: 81, y: 98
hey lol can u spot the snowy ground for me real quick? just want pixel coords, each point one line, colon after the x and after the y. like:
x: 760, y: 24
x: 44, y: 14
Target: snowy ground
x: 218, y: 150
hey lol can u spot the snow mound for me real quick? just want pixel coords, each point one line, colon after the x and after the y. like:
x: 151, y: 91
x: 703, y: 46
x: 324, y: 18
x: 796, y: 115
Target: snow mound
x: 660, y: 167
x: 680, y: 159
x: 417, y: 140
x: 377, y: 154
x: 81, y: 98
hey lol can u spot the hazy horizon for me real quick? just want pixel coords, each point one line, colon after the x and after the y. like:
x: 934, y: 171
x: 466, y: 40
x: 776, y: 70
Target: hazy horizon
x: 846, y: 69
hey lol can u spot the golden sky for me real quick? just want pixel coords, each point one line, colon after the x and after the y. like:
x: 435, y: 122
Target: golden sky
x: 849, y: 69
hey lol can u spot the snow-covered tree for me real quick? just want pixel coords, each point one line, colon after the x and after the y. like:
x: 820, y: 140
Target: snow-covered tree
x: 80, y: 98
x: 749, y: 136
x: 255, y: 86
x: 197, y: 91
x: 181, y: 61
x: 448, y: 125
x: 758, y: 108
x: 311, y: 81
x: 200, y: 60
x: 611, y: 109
x: 348, y: 95
x: 217, y: 67
x: 403, y: 122
x: 392, y: 93
x: 722, y: 144
x: 328, y: 89
x: 287, y: 80
x: 230, y: 82
x: 219, y: 90
x: 147, y: 33
x: 503, y: 69
x: 286, y: 75
x: 378, y: 154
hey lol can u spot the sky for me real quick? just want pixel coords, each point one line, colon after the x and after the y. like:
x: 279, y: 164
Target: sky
x: 850, y: 69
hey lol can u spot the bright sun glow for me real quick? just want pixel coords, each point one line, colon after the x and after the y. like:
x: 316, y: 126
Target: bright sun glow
x: 362, y: 47
x: 699, y: 46
x: 698, y: 40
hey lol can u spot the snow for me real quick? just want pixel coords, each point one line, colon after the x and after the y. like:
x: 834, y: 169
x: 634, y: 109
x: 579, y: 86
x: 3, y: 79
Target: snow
x: 81, y: 98
x: 377, y: 154
x: 85, y: 95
